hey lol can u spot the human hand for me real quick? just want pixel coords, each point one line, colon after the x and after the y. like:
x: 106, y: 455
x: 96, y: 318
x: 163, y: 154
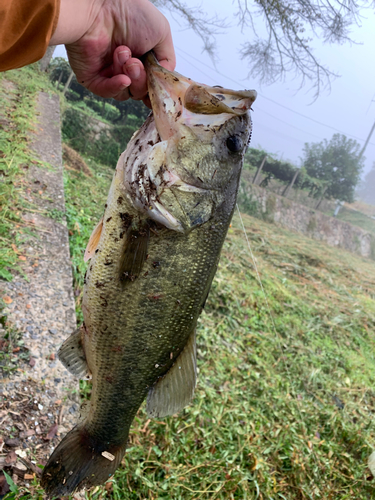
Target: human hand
x: 101, y: 38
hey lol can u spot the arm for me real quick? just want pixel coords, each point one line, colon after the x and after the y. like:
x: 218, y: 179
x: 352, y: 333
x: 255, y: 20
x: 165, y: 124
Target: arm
x: 101, y: 36
x: 26, y: 27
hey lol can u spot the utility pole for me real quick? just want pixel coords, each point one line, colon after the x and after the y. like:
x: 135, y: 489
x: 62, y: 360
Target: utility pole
x: 67, y: 85
x: 321, y: 198
x: 256, y: 177
x: 290, y: 185
x: 367, y: 141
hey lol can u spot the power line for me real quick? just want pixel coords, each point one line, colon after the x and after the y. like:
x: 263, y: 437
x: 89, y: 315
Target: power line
x: 289, y: 124
x: 267, y: 98
x: 258, y: 108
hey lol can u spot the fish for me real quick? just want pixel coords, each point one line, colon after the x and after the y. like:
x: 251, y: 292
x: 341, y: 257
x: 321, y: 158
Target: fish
x: 152, y: 258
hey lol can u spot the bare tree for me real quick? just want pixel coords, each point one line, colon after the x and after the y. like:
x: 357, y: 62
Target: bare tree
x: 290, y: 26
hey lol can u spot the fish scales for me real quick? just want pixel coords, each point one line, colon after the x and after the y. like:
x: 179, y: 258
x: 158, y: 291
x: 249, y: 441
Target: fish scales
x: 147, y: 319
x: 153, y: 257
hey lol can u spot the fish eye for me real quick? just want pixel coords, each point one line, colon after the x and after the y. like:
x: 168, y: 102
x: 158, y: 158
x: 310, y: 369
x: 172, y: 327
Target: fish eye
x: 234, y: 143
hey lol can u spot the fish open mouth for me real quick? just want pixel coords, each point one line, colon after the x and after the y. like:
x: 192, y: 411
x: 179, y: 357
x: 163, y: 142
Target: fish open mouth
x: 180, y: 108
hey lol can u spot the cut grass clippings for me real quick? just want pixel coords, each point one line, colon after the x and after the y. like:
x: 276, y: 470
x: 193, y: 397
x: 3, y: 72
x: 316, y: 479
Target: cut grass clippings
x: 285, y: 401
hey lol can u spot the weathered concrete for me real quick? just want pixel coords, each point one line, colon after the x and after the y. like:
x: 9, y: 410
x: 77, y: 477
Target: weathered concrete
x: 312, y: 223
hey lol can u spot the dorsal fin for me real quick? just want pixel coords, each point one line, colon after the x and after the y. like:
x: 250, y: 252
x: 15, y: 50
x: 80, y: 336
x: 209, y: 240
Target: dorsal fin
x: 175, y: 390
x: 93, y: 243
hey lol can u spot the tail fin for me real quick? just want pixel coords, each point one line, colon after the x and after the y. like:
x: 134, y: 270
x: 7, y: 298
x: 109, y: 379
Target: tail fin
x: 80, y: 461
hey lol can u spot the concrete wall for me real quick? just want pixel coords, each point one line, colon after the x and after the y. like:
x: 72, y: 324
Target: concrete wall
x: 305, y: 220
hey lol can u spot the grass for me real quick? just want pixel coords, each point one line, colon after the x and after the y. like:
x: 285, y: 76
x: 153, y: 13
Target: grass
x: 285, y: 401
x: 357, y: 218
x: 18, y: 118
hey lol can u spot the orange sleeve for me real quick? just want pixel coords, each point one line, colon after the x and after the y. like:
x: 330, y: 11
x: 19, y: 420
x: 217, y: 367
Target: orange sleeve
x: 26, y: 27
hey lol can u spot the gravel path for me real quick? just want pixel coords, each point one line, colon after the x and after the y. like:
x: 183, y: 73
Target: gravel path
x: 41, y: 393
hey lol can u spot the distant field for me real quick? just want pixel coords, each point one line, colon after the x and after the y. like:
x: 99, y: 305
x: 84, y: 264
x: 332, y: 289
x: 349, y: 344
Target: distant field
x: 285, y: 400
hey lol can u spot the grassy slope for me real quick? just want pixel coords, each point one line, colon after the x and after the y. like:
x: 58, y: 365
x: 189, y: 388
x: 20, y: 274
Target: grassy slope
x: 17, y: 114
x: 18, y: 93
x: 357, y: 219
x: 284, y: 404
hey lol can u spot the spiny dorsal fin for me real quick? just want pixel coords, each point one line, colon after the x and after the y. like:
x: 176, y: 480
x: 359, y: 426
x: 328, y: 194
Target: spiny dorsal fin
x: 72, y: 355
x: 93, y: 243
x: 176, y: 389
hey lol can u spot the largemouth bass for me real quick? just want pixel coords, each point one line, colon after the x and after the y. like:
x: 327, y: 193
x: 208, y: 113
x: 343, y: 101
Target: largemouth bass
x: 153, y: 257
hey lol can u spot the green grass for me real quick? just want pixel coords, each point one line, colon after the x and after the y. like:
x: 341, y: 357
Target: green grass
x: 357, y: 219
x: 17, y: 110
x: 285, y: 401
x: 85, y: 200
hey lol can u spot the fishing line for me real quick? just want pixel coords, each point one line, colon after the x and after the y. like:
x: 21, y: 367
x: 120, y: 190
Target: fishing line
x: 277, y: 335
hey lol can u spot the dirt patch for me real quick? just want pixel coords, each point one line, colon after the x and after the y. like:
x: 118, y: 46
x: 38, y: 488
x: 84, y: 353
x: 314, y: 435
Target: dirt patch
x: 74, y: 160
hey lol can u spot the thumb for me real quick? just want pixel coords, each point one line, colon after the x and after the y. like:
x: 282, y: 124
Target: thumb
x: 164, y: 50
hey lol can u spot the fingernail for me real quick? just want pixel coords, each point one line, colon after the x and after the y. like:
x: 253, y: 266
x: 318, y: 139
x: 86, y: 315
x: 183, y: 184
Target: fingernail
x: 134, y: 71
x: 123, y: 56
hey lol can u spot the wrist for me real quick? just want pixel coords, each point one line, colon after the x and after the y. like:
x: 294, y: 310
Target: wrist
x: 75, y: 18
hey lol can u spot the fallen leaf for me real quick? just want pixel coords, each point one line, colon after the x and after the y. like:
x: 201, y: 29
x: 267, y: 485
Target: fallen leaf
x: 22, y: 257
x: 4, y: 486
x: 15, y: 249
x: 28, y: 433
x: 16, y: 349
x: 7, y: 299
x: 13, y: 443
x: 29, y: 476
x: 52, y: 432
x: 109, y: 486
x: 11, y: 458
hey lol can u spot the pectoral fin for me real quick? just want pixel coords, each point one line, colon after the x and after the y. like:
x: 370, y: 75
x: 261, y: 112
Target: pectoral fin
x: 93, y: 243
x: 72, y: 355
x: 176, y: 389
x: 135, y: 254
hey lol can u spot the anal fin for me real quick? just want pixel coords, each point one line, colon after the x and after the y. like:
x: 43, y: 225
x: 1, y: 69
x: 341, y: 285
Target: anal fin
x: 72, y: 355
x: 176, y: 389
